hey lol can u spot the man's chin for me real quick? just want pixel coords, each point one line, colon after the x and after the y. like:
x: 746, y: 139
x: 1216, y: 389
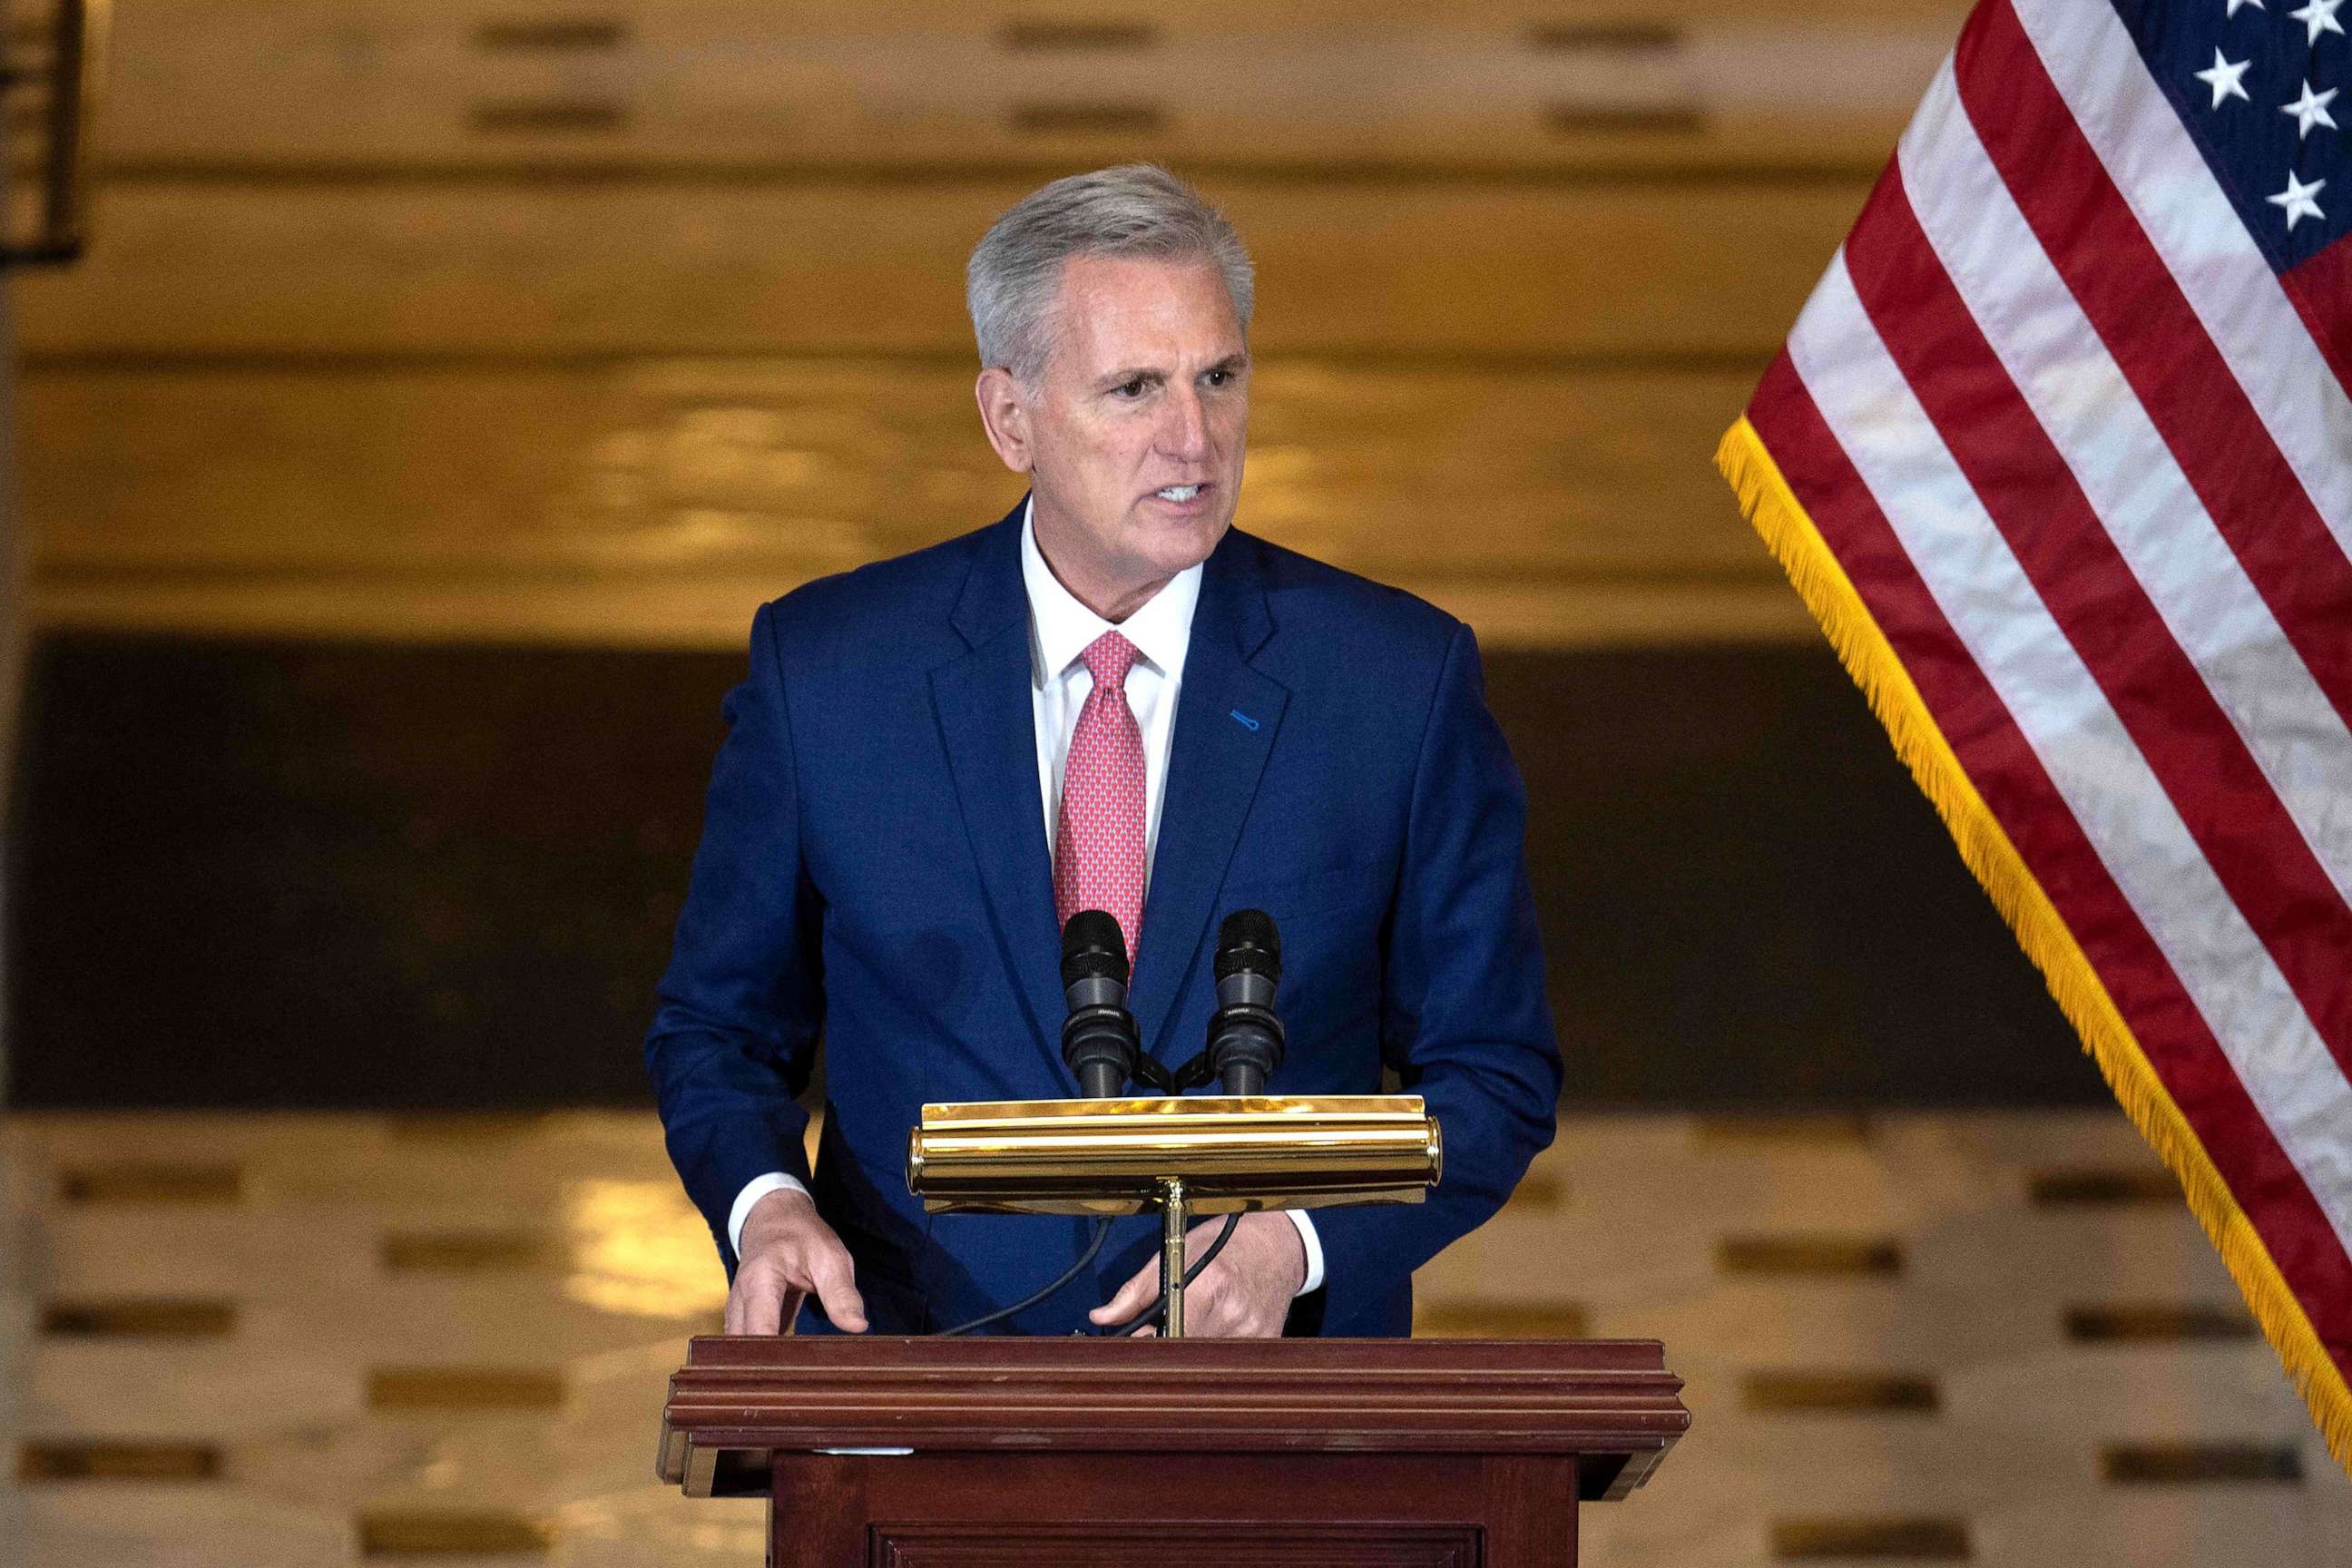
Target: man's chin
x: 1178, y: 544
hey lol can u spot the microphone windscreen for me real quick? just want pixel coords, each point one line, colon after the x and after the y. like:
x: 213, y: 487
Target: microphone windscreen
x: 1093, y: 945
x: 1247, y: 939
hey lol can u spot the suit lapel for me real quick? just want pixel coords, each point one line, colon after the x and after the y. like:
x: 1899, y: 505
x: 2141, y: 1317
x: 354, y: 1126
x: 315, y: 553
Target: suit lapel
x: 988, y: 723
x: 1226, y: 716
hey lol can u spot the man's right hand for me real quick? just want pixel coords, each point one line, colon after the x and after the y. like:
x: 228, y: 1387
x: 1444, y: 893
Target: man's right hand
x: 789, y: 1251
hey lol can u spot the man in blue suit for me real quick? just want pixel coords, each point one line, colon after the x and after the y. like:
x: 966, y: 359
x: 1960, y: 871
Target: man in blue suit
x: 1110, y: 698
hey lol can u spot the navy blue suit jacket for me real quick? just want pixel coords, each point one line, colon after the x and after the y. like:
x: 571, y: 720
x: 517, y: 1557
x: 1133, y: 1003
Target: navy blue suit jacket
x: 874, y: 871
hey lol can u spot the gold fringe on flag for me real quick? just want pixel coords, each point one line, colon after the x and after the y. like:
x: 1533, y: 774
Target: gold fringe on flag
x: 1766, y: 499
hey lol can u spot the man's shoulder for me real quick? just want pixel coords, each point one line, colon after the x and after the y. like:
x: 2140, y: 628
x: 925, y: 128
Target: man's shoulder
x: 882, y: 605
x: 1350, y: 614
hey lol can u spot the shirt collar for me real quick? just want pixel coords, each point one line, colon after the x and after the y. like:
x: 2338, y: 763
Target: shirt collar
x: 1061, y: 628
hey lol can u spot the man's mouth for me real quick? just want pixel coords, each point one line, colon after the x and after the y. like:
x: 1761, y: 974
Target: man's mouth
x: 1178, y: 493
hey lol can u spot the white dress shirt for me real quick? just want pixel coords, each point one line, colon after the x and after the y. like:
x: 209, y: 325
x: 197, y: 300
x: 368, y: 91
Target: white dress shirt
x: 1061, y: 629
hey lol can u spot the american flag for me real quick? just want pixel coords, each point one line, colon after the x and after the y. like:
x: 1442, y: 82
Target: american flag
x: 2059, y: 454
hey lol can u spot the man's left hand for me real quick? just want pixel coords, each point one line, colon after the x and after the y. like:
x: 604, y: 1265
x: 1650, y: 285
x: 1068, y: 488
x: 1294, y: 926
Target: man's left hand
x: 1246, y: 1293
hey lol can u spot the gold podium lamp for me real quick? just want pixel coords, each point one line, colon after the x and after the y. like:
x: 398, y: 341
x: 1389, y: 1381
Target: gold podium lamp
x: 1181, y: 1154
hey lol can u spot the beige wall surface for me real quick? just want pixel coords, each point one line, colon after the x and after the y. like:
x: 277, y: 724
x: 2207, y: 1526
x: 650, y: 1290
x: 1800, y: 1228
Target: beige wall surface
x: 422, y: 320
x: 299, y: 1340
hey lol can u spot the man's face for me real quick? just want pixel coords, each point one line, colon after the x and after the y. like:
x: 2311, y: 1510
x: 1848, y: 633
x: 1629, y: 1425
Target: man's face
x: 1138, y: 421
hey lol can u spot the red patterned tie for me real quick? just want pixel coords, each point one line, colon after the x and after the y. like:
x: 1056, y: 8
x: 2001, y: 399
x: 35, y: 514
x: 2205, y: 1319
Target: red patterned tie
x: 1098, y: 836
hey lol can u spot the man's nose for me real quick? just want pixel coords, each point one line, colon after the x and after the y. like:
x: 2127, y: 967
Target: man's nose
x: 1184, y: 431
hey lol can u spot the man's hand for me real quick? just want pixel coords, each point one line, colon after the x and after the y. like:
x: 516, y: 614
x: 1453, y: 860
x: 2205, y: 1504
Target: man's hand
x: 1244, y: 1294
x: 788, y: 1252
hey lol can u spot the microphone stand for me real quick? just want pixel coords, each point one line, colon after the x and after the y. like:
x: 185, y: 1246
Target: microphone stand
x: 1171, y: 1256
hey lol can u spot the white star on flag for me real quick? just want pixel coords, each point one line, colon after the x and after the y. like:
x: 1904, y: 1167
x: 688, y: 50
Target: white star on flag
x: 2296, y: 200
x: 2311, y: 109
x: 2236, y: 4
x: 2319, y: 16
x: 2223, y: 76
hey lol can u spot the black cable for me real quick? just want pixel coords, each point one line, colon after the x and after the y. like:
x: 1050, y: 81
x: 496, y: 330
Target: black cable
x: 1102, y: 1229
x: 1190, y: 1274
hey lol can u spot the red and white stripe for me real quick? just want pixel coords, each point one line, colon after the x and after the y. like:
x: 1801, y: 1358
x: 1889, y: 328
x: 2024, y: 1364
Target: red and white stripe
x: 2077, y: 450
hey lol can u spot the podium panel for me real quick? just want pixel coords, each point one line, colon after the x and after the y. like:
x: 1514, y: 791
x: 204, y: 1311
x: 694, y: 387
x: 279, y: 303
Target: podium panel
x: 1065, y: 1512
x: 924, y: 1453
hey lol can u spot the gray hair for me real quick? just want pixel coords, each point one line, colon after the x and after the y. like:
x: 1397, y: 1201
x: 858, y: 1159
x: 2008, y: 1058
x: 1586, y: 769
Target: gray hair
x: 1135, y: 209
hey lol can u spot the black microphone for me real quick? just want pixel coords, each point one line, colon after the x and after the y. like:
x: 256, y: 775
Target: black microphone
x: 1244, y: 1036
x: 1098, y: 1039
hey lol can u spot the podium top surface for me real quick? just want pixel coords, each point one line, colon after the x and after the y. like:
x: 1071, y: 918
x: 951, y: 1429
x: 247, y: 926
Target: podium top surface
x: 740, y: 1400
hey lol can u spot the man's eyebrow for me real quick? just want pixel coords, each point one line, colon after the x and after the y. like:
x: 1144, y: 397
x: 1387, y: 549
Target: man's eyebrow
x: 1237, y: 360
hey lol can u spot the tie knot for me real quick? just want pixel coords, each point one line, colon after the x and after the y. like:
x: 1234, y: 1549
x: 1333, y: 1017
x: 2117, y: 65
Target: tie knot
x: 1108, y: 659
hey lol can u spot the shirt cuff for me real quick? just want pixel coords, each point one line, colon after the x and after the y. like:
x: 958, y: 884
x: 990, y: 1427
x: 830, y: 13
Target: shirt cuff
x: 1314, y: 1250
x: 776, y: 1181
x: 758, y: 1187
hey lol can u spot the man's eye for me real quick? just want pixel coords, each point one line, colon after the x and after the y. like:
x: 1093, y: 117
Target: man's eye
x: 1218, y: 377
x: 1130, y: 388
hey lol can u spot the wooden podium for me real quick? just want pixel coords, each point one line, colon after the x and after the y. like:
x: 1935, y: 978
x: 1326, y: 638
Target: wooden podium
x: 1080, y: 1452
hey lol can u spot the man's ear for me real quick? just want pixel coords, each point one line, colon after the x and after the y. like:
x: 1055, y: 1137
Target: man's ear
x: 1005, y: 415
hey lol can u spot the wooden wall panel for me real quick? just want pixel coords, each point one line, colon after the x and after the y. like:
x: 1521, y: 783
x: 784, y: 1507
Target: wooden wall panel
x: 687, y: 491
x: 1621, y: 268
x: 1752, y: 81
x: 421, y: 318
